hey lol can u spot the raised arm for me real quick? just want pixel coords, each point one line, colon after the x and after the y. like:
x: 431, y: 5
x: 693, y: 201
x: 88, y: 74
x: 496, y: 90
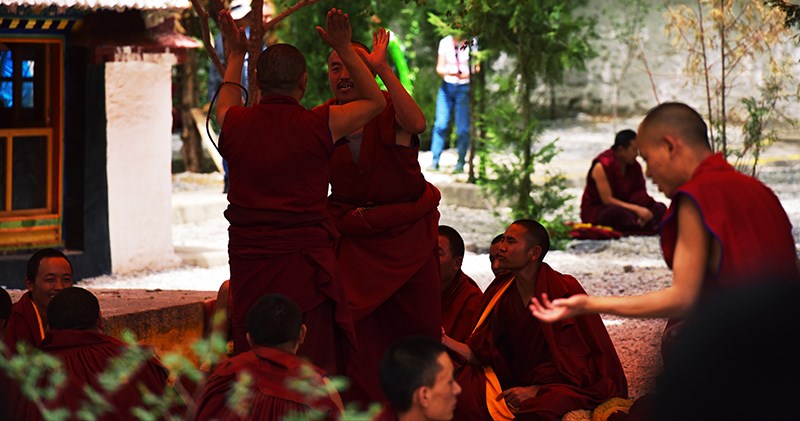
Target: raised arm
x: 408, y: 115
x: 695, y: 253
x: 607, y: 196
x: 347, y: 118
x: 231, y: 95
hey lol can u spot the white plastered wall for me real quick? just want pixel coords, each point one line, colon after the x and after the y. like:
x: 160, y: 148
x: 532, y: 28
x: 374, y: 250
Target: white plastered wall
x: 139, y: 122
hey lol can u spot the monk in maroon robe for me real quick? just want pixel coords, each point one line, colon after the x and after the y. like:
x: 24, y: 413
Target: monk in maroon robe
x: 85, y: 353
x: 48, y: 272
x: 723, y: 228
x: 461, y: 296
x: 278, y: 157
x: 387, y: 215
x: 417, y: 377
x: 615, y: 193
x: 521, y: 368
x: 281, y: 382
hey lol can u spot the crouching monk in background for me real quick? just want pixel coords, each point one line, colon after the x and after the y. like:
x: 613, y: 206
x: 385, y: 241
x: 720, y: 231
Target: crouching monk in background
x: 521, y: 368
x: 615, y: 194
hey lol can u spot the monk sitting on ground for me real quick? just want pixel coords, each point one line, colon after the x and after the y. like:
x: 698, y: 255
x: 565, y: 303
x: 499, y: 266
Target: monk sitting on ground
x: 461, y: 296
x: 85, y: 353
x: 417, y: 377
x: 275, y: 331
x: 615, y: 193
x: 520, y: 368
x: 48, y: 272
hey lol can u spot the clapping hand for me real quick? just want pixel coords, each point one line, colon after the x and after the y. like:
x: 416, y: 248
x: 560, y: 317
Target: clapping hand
x: 234, y: 36
x: 338, y: 33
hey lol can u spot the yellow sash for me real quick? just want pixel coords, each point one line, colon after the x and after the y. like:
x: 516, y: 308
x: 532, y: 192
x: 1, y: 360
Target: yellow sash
x: 38, y: 319
x: 497, y: 409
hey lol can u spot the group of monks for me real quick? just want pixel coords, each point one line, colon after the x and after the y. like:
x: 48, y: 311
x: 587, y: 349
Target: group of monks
x: 364, y: 283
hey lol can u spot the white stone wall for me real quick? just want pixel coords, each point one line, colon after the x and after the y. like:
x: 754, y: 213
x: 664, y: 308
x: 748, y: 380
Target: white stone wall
x: 139, y: 122
x: 594, y: 90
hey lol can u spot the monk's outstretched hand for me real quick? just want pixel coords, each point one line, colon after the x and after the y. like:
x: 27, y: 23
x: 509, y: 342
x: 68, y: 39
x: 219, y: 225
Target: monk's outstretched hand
x: 558, y: 309
x: 338, y: 33
x: 234, y: 36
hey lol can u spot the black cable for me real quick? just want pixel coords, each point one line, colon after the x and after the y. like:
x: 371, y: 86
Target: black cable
x: 211, y: 107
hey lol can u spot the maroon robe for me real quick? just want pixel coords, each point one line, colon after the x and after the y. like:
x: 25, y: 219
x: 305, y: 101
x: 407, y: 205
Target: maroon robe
x: 280, y: 242
x: 387, y: 216
x: 23, y: 325
x: 573, y: 360
x: 628, y: 187
x: 86, y: 354
x: 271, y: 396
x: 460, y: 303
x: 745, y: 218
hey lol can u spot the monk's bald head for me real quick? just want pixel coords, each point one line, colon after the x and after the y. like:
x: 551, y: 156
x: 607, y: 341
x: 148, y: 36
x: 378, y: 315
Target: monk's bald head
x: 676, y: 119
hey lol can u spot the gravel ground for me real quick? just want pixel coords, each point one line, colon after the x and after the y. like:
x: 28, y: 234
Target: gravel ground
x: 628, y: 266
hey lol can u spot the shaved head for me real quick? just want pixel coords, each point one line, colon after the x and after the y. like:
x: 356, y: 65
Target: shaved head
x: 535, y: 234
x: 679, y: 120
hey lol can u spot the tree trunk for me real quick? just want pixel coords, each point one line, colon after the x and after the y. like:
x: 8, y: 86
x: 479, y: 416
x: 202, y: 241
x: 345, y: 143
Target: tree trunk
x: 191, y: 150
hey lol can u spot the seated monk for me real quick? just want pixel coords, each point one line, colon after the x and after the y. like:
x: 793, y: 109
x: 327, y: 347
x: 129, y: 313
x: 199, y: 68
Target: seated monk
x: 48, y: 272
x: 494, y: 251
x: 5, y: 311
x: 417, y: 378
x: 275, y: 331
x: 524, y: 369
x: 85, y: 353
x: 615, y: 193
x: 460, y: 294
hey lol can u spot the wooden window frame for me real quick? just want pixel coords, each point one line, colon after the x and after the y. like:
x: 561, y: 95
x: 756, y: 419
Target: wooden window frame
x: 31, y: 228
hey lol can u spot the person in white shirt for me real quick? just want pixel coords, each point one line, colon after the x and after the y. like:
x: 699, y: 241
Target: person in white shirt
x: 453, y: 65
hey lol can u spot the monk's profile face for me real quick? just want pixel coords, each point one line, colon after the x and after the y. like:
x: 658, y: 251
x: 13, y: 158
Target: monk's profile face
x: 515, y: 250
x: 54, y: 274
x: 440, y: 399
x: 449, y: 265
x: 494, y: 251
x: 657, y: 154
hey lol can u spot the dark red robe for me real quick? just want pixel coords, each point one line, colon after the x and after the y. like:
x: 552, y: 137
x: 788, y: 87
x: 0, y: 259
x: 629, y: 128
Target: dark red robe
x: 574, y: 360
x: 271, y: 394
x: 387, y: 216
x: 84, y: 355
x: 278, y: 157
x: 460, y: 304
x: 745, y: 218
x: 629, y: 187
x: 23, y: 324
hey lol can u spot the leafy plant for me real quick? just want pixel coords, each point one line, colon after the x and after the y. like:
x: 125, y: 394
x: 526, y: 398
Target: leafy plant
x: 722, y: 41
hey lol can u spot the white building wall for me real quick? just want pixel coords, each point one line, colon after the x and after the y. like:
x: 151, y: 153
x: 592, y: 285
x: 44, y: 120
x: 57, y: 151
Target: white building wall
x: 139, y: 122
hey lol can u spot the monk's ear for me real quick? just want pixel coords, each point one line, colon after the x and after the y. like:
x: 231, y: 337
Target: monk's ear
x: 458, y: 261
x: 302, y: 337
x: 420, y: 397
x: 28, y: 284
x: 249, y: 339
x: 671, y: 142
x: 100, y: 324
x: 536, y: 252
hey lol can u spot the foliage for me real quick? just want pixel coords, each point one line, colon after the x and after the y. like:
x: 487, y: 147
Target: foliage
x: 792, y: 12
x: 723, y: 41
x: 40, y: 377
x: 546, y: 201
x: 544, y: 39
